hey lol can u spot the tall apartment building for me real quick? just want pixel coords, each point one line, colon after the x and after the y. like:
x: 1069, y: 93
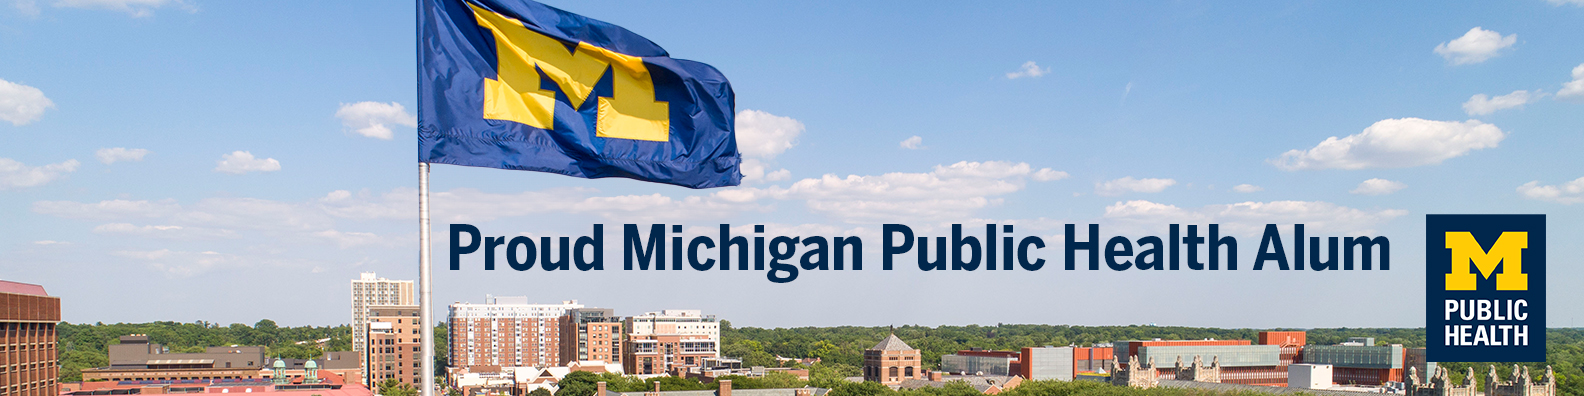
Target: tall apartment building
x: 669, y: 341
x: 369, y: 290
x: 506, y: 332
x: 591, y: 334
x: 394, y: 336
x: 27, y: 340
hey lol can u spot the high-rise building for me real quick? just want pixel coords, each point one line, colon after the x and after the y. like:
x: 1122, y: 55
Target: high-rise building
x: 669, y: 341
x: 27, y: 340
x: 369, y: 290
x: 394, y: 337
x: 506, y: 331
x: 591, y: 334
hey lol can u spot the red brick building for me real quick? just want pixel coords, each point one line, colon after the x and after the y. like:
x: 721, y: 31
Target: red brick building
x: 590, y: 334
x: 394, y: 337
x: 671, y: 341
x: 27, y: 340
x: 892, y: 361
x: 506, y: 332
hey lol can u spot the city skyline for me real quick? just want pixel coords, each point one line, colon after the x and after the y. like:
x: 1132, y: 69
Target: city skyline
x: 206, y: 157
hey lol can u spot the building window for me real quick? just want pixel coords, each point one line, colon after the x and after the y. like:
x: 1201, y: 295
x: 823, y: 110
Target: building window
x: 893, y: 371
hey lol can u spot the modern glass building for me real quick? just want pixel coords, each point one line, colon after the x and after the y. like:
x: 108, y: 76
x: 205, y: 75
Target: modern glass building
x: 976, y: 365
x: 1229, y: 355
x: 1376, y: 357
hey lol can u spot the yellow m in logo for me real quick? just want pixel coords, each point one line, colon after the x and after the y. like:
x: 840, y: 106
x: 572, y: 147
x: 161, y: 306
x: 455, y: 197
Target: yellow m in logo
x: 1508, y: 250
x: 631, y: 112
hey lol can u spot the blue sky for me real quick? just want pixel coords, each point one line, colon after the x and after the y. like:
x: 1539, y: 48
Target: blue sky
x: 233, y: 161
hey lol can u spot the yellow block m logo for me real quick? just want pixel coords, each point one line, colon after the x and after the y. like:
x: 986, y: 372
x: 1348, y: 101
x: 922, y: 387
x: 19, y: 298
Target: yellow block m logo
x: 1508, y: 251
x: 631, y: 112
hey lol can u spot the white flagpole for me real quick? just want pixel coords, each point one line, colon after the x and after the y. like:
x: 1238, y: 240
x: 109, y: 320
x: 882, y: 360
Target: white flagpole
x: 425, y: 314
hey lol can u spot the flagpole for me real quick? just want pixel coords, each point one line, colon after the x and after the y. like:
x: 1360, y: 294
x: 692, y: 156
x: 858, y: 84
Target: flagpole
x: 425, y: 314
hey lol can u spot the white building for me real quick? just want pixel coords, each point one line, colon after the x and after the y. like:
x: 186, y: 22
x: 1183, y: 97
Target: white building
x: 367, y: 291
x: 682, y: 322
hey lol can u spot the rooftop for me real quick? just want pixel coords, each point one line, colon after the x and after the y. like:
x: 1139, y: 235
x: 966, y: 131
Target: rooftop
x: 891, y: 343
x: 22, y: 288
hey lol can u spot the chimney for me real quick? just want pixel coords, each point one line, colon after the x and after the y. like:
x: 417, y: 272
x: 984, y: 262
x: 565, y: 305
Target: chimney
x: 657, y: 386
x: 935, y: 376
x: 725, y: 388
x: 599, y: 388
x: 803, y: 392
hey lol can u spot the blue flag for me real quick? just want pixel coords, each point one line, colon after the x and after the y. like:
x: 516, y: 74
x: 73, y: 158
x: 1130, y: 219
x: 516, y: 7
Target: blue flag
x: 514, y: 84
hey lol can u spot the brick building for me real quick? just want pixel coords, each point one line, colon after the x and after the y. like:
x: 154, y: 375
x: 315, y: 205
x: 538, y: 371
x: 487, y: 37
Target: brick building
x: 506, y: 332
x: 671, y: 342
x: 370, y: 290
x: 27, y: 340
x: 394, y: 337
x: 892, y: 361
x: 136, y: 358
x: 591, y: 334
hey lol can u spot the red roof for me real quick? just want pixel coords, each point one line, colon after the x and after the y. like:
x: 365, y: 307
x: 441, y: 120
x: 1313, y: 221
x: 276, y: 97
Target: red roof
x: 22, y: 288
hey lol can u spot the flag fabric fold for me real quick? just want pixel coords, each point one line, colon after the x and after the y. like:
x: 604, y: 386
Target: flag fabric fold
x: 514, y: 84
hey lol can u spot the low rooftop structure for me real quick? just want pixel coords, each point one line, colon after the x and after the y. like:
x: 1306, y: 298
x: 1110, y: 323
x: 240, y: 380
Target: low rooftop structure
x: 986, y: 384
x: 725, y: 389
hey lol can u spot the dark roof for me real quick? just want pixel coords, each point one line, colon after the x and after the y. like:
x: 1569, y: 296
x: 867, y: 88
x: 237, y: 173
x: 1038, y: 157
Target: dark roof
x: 891, y: 343
x: 22, y: 288
x: 1275, y: 390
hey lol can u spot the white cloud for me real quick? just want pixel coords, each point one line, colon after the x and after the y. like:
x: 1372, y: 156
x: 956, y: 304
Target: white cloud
x: 162, y: 231
x: 1395, y: 143
x: 178, y: 264
x: 1565, y: 2
x: 1029, y: 69
x: 1568, y: 193
x: 1378, y: 186
x: 239, y: 162
x: 1129, y: 184
x: 50, y: 243
x: 1478, y: 45
x: 352, y: 239
x: 1247, y: 188
x: 913, y: 143
x: 27, y: 7
x: 755, y: 171
x: 764, y: 135
x: 370, y: 118
x: 21, y: 104
x: 113, y: 155
x: 950, y: 191
x: 1573, y: 90
x: 15, y: 174
x: 1480, y: 104
x: 1251, y: 217
x: 470, y: 205
x: 1048, y: 174
x: 107, y: 210
x: 136, y: 8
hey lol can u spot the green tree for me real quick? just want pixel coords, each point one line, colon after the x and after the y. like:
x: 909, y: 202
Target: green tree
x: 578, y: 383
x: 540, y: 392
x: 392, y: 387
